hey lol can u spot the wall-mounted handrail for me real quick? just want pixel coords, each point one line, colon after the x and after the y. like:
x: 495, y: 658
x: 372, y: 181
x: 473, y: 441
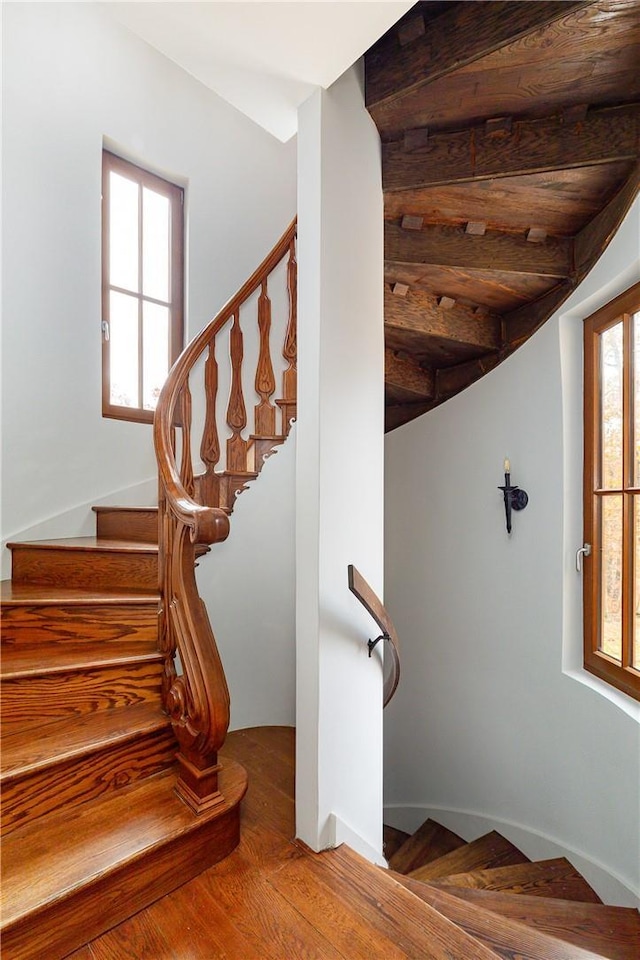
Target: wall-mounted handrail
x: 373, y: 605
x: 193, y: 509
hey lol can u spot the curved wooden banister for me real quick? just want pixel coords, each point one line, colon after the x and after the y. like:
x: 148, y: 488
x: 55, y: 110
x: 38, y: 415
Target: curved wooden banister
x: 373, y: 605
x: 193, y: 510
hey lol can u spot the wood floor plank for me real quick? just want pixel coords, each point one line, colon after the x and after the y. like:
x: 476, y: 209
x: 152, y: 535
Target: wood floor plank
x: 347, y: 928
x: 139, y: 937
x: 419, y: 933
x: 491, y: 850
x: 428, y: 843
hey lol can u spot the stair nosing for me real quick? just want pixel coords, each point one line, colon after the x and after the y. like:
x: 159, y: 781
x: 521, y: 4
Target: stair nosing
x: 151, y: 785
x: 88, y: 545
x: 156, y: 721
x: 50, y: 670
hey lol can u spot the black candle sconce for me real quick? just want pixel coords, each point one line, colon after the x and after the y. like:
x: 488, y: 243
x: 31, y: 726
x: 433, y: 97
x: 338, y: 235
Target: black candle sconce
x: 514, y: 497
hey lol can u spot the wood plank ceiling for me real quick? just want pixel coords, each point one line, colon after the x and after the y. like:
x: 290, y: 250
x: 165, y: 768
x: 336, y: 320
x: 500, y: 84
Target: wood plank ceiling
x: 511, y: 152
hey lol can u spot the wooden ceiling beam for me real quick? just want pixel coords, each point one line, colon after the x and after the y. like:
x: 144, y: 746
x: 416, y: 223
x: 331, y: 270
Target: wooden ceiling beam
x: 401, y: 62
x: 419, y: 312
x: 520, y: 323
x: 450, y: 380
x: 407, y: 374
x: 606, y: 135
x: 453, y: 247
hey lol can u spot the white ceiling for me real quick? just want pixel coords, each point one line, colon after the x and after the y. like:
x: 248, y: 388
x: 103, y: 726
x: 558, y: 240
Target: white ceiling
x: 264, y: 58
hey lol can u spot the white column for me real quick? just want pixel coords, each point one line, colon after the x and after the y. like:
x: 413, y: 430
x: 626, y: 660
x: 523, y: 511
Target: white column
x: 339, y: 488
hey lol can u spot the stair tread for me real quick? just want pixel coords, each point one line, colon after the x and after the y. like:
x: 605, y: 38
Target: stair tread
x: 491, y: 850
x: 429, y: 842
x: 46, y: 860
x: 508, y: 937
x: 613, y: 932
x: 89, y: 544
x: 24, y: 661
x: 69, y: 738
x: 104, y: 508
x: 555, y: 878
x: 38, y: 593
x: 393, y: 838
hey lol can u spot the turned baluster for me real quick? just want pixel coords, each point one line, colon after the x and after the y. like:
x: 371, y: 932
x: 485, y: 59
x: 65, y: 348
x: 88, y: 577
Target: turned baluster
x: 236, y: 411
x: 288, y: 402
x: 265, y: 412
x: 186, y: 466
x: 208, y: 483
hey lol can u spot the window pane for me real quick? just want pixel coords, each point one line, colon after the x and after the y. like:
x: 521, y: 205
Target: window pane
x: 635, y: 659
x: 123, y: 350
x: 611, y: 359
x: 636, y: 395
x: 155, y: 352
x: 123, y: 237
x: 155, y: 245
x: 611, y: 577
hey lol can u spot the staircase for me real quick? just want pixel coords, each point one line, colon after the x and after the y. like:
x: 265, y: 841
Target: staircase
x: 515, y: 908
x: 112, y: 790
x: 510, y: 155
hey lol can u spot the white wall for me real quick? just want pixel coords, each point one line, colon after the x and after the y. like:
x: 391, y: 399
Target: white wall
x: 72, y: 76
x: 339, y: 469
x: 255, y: 627
x: 486, y: 728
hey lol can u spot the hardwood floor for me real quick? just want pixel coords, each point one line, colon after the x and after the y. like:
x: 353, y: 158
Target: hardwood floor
x: 271, y: 899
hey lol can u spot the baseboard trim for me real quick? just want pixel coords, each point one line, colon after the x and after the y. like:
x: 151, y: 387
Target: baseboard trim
x: 613, y: 889
x: 337, y: 832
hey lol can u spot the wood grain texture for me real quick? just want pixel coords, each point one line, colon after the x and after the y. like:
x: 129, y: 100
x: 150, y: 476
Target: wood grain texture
x: 428, y: 843
x: 555, y: 878
x: 34, y: 692
x: 457, y: 37
x: 408, y: 375
x: 210, y: 443
x: 86, y: 562
x: 606, y: 135
x: 612, y: 932
x: 66, y: 620
x: 127, y: 523
x: 453, y: 247
x: 490, y: 851
x: 111, y: 860
x: 564, y: 200
x: 74, y: 761
x: 510, y: 939
x: 418, y: 312
x: 588, y: 57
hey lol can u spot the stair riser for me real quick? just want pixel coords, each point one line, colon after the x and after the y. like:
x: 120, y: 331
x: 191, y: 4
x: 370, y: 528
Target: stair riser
x: 29, y: 701
x: 92, y: 570
x: 103, y: 623
x: 139, y: 525
x: 83, y: 914
x: 70, y: 783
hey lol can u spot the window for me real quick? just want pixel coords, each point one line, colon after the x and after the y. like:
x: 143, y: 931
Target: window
x: 142, y: 287
x: 612, y: 492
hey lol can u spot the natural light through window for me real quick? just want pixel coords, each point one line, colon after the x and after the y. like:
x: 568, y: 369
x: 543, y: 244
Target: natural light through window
x: 142, y: 286
x: 612, y: 492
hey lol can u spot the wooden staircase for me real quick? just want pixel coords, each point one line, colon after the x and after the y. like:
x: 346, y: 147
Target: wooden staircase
x: 113, y: 793
x: 92, y: 829
x: 515, y: 908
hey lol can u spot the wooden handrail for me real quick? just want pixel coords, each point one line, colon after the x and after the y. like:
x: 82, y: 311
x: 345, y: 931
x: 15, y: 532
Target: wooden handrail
x: 194, y: 508
x: 373, y: 605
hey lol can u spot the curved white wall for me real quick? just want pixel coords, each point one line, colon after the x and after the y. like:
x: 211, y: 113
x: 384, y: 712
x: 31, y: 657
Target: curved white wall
x: 485, y: 723
x: 72, y: 76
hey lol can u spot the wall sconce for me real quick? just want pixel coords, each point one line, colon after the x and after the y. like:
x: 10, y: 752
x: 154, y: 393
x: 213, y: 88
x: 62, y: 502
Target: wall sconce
x: 514, y: 497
